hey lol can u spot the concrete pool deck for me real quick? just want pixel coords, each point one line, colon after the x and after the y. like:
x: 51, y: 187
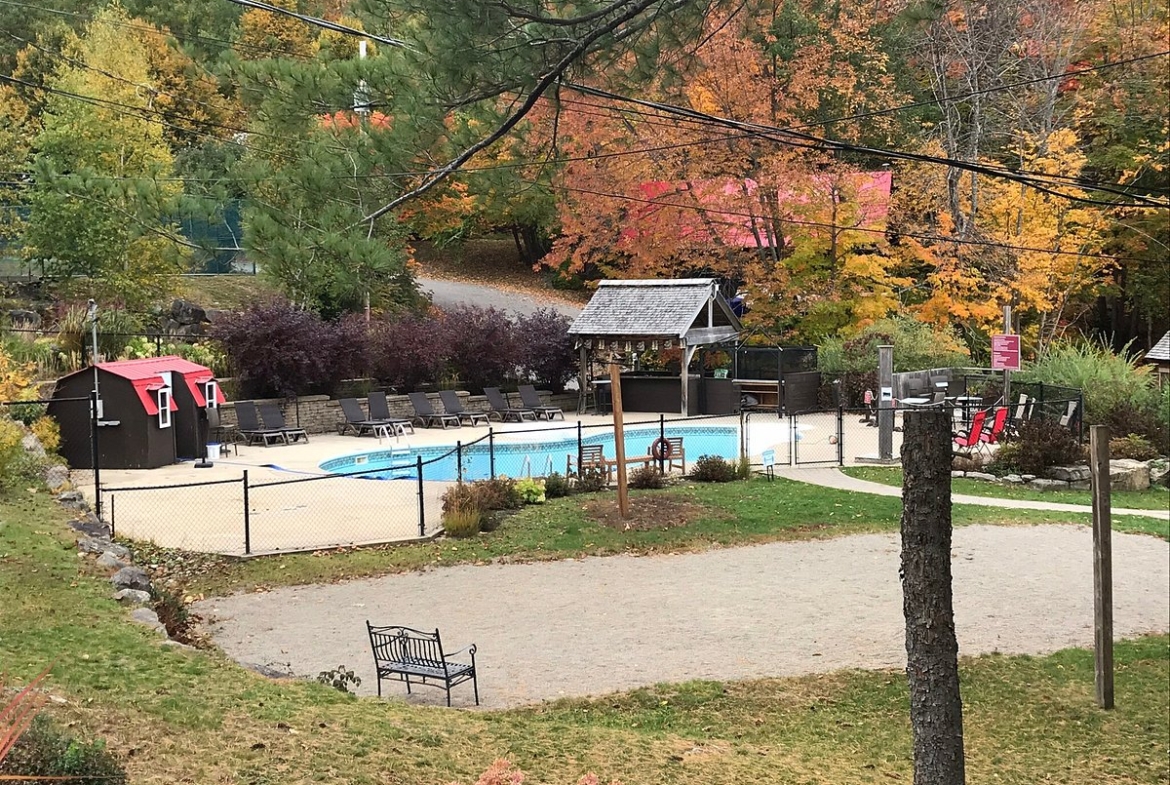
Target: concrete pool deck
x: 343, y: 511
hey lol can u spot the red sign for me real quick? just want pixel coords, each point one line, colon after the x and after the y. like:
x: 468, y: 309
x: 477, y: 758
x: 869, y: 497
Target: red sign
x: 1005, y: 352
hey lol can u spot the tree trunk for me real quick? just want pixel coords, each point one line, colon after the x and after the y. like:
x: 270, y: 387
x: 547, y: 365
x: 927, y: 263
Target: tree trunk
x: 936, y: 709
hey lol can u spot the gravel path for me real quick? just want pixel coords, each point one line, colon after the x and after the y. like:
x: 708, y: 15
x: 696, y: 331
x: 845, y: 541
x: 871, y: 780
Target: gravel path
x: 446, y: 294
x: 597, y: 625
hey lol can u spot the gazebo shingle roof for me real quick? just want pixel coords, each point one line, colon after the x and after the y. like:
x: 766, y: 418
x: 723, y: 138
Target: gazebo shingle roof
x: 654, y: 309
x: 1161, y: 350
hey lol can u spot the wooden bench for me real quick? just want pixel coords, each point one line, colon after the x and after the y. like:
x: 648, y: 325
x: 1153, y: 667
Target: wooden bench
x: 401, y: 653
x: 593, y: 458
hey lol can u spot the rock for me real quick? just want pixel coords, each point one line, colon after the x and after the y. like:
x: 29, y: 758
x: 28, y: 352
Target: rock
x: 73, y: 499
x: 1068, y: 473
x: 957, y: 473
x: 1159, y: 472
x: 132, y: 597
x: 1126, y: 474
x: 984, y: 476
x: 189, y: 330
x: 1081, y: 485
x: 176, y: 645
x: 186, y: 312
x: 23, y: 319
x: 1027, y: 477
x: 214, y: 314
x: 131, y: 578
x: 90, y: 526
x: 149, y: 618
x: 103, y: 545
x: 32, y: 445
x: 1042, y: 484
x: 56, y: 476
x: 110, y: 562
x: 1014, y: 479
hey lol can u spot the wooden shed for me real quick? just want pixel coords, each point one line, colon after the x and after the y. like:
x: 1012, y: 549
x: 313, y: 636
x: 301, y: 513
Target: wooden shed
x: 1159, y: 357
x: 635, y: 316
x: 149, y: 412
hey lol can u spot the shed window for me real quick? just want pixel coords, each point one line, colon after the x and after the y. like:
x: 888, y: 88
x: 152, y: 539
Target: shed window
x: 209, y: 394
x: 164, y: 408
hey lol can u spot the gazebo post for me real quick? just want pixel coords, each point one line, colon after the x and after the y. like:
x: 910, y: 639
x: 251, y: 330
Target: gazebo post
x: 583, y: 380
x: 688, y: 354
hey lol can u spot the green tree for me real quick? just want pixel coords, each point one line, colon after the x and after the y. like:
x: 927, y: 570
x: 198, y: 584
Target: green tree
x: 100, y: 198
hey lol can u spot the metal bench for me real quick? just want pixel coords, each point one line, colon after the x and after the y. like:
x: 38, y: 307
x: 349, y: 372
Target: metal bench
x: 402, y: 653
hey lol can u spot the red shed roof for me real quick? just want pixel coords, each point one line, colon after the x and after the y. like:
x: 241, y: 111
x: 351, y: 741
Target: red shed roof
x: 146, y: 376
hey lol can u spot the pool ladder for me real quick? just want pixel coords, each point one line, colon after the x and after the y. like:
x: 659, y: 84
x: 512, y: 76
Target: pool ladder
x: 526, y: 467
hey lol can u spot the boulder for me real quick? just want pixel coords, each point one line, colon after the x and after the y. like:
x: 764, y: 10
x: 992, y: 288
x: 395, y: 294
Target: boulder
x: 149, y: 618
x: 1027, y: 477
x: 984, y: 476
x: 131, y: 578
x: 1068, y: 473
x: 24, y: 319
x: 267, y: 670
x: 73, y: 499
x: 32, y: 445
x: 215, y: 314
x: 1042, y: 484
x: 110, y: 562
x: 186, y: 312
x: 1159, y: 472
x: 90, y: 526
x: 132, y: 597
x: 1126, y: 474
x: 1081, y: 485
x: 957, y: 473
x: 1014, y: 479
x: 56, y: 476
x: 101, y: 545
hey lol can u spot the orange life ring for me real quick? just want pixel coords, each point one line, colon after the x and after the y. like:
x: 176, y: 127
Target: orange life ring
x: 661, y: 449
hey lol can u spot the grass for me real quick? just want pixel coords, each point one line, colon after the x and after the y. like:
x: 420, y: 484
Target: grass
x: 736, y: 514
x: 1153, y: 499
x: 226, y: 292
x: 186, y: 716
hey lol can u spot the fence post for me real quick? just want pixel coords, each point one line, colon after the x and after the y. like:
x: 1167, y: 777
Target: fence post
x: 459, y: 460
x: 840, y: 435
x: 93, y: 439
x: 422, y: 515
x: 113, y: 532
x: 662, y: 436
x: 579, y: 447
x: 247, y: 518
x: 1081, y: 417
x: 492, y: 452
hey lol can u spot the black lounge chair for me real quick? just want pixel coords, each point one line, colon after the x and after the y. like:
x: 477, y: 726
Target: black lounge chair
x: 250, y: 428
x: 426, y: 416
x: 454, y: 406
x: 380, y: 411
x: 273, y: 420
x: 502, y: 410
x: 356, y: 420
x: 531, y: 400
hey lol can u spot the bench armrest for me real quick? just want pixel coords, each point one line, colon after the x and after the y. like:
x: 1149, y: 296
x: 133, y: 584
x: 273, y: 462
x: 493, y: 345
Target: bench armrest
x: 469, y: 649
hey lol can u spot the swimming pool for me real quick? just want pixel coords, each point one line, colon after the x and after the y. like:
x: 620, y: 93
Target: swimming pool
x: 536, y: 458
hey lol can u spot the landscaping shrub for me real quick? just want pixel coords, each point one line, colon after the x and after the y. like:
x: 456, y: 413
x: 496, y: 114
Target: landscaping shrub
x: 556, y: 486
x: 462, y: 522
x: 1040, y: 443
x: 340, y: 678
x: 44, y: 750
x: 917, y: 345
x: 712, y: 468
x: 531, y: 491
x: 115, y: 329
x: 500, y: 493
x: 481, y: 346
x: 406, y: 351
x: 278, y: 350
x: 591, y: 481
x: 1132, y: 446
x: 546, y: 349
x: 647, y: 477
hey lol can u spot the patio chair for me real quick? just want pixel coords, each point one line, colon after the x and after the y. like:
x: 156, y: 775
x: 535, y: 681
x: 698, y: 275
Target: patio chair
x: 1070, y: 416
x: 251, y: 429
x: 972, y: 439
x: 503, y: 410
x: 426, y: 416
x: 356, y: 420
x: 454, y: 406
x: 998, y: 423
x: 380, y: 411
x: 219, y: 433
x: 273, y: 420
x: 531, y: 400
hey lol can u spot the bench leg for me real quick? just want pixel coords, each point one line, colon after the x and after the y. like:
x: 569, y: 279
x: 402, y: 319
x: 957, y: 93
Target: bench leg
x: 379, y: 685
x: 448, y: 695
x: 475, y: 686
x: 407, y: 678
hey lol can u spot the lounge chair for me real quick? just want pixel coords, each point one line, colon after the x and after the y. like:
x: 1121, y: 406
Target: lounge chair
x: 356, y: 420
x: 380, y: 411
x: 995, y: 433
x: 273, y: 420
x: 972, y: 439
x: 426, y: 416
x: 454, y: 406
x: 531, y: 400
x: 502, y: 410
x: 250, y: 428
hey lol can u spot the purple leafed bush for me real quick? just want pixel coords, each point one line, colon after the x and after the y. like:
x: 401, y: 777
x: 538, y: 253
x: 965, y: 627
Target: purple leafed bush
x: 481, y: 346
x: 278, y: 350
x: 407, y: 351
x: 546, y: 348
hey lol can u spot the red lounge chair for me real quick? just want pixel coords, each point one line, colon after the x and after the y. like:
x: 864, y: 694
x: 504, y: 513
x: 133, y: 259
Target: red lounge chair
x: 972, y: 438
x: 997, y: 425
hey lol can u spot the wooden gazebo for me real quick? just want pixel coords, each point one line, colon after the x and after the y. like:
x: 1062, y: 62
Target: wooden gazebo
x: 635, y: 316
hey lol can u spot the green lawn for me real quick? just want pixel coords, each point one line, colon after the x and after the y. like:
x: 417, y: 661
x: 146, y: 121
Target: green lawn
x: 730, y: 514
x: 1153, y: 499
x: 184, y: 716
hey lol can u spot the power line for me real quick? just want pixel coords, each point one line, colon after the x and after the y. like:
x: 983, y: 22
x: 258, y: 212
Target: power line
x: 322, y: 23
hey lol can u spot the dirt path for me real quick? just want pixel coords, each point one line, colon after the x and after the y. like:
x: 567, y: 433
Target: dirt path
x: 592, y: 626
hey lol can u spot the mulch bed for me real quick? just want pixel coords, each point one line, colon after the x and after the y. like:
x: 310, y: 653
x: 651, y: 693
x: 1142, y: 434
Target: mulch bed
x: 648, y: 512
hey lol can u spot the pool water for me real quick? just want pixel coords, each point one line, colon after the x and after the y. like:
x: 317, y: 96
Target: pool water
x: 522, y: 459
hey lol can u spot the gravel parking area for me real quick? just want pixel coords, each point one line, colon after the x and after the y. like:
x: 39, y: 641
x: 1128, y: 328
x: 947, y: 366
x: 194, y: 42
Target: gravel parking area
x: 585, y: 627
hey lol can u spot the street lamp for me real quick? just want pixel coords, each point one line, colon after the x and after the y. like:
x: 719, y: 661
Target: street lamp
x: 91, y: 313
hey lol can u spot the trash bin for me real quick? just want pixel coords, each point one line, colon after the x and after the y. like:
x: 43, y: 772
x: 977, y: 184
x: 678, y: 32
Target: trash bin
x: 213, y: 451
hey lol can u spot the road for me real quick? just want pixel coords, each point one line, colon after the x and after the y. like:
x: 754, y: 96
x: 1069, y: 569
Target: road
x: 446, y: 294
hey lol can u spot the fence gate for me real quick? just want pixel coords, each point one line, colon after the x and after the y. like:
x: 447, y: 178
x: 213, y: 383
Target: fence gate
x: 818, y: 438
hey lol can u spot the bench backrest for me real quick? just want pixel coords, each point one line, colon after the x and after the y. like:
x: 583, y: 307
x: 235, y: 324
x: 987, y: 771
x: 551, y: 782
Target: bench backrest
x: 406, y: 645
x: 592, y: 455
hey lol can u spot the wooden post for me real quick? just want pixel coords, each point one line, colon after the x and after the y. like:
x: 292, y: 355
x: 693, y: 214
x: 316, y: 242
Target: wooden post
x: 1102, y: 565
x: 932, y: 650
x: 619, y: 438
